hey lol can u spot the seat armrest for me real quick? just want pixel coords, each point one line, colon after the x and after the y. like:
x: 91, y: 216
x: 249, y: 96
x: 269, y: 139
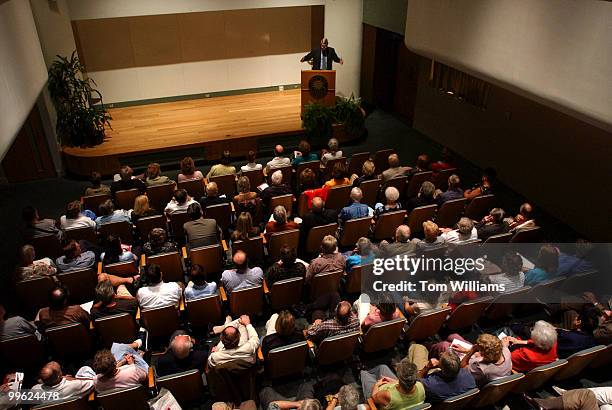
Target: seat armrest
x: 265, y: 287
x: 99, y: 268
x: 260, y: 354
x: 184, y: 252
x: 151, y: 377
x: 224, y: 244
x: 264, y: 238
x: 138, y: 314
x: 223, y: 294
x: 143, y: 260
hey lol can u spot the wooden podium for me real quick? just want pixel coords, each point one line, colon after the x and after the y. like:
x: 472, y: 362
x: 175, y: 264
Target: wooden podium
x: 318, y: 86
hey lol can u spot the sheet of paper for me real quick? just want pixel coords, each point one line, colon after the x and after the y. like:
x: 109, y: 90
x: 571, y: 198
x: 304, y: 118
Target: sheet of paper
x: 502, y: 335
x: 87, y: 306
x: 460, y: 343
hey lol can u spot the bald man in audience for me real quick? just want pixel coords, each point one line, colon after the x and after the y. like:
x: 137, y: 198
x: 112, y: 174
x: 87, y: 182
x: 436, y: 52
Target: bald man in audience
x: 402, y: 245
x: 241, y: 276
x: 344, y: 321
x: 524, y: 219
x: 317, y: 216
x: 356, y: 209
x: 394, y: 170
x: 239, y: 342
x: 51, y: 379
x: 59, y: 312
x: 279, y: 160
x: 183, y: 355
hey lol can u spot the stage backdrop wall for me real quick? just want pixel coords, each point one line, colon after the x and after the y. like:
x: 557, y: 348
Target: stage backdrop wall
x: 22, y: 68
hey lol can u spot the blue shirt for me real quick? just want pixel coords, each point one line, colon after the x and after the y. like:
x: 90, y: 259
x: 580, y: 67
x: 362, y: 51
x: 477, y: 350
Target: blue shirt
x: 450, y: 195
x: 117, y: 216
x: 310, y: 157
x: 354, y: 211
x: 193, y: 291
x: 572, y: 341
x: 356, y: 260
x: 535, y: 276
x: 438, y: 389
x: 572, y: 264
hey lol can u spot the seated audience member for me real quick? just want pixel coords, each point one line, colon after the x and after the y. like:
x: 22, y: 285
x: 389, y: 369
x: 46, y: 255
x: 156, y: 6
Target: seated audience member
x: 244, y: 228
x: 36, y: 227
x: 30, y: 267
x: 239, y: 342
x: 158, y: 243
x: 432, y: 236
x: 368, y: 173
x: 424, y: 197
x: 270, y: 399
x: 286, y: 267
x: 241, y: 276
x: 244, y: 190
x: 332, y: 152
x: 73, y: 258
x: 394, y: 170
x: 603, y: 330
x: 383, y: 311
x: 188, y: 171
x: 391, y: 196
x: 594, y: 398
x: 546, y: 266
x: 492, y: 224
x: 318, y: 216
x: 142, y: 209
x: 199, y: 285
x: 402, y: 243
x: 279, y: 222
x: 109, y: 303
x: 445, y: 162
x: 487, y: 360
x: 97, y: 187
x: 59, y: 312
x: 224, y: 167
x: 454, y: 190
x: 524, y: 219
x: 329, y: 260
x: 393, y: 391
x: 108, y: 214
x: 280, y: 331
x: 251, y: 165
x: 212, y: 196
x: 200, y: 231
x: 307, y: 180
x: 15, y: 326
x: 247, y: 200
x: 115, y: 252
x: 179, y: 202
x: 338, y: 175
x: 119, y: 368
x: 279, y: 160
x: 465, y: 232
x: 485, y: 187
x: 579, y: 335
x: 512, y: 276
x: 74, y: 218
x: 539, y: 350
x: 344, y: 321
x: 356, y: 209
x: 158, y: 293
x: 347, y: 398
x: 127, y: 181
x: 422, y: 165
x: 305, y: 155
x: 578, y: 262
x: 154, y: 177
x: 276, y: 188
x: 52, y: 380
x: 182, y: 355
x: 361, y: 255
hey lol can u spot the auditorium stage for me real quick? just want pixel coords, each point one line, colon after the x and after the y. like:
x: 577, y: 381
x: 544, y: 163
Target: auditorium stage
x: 234, y: 122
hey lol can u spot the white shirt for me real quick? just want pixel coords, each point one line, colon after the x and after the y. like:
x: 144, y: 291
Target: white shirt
x: 328, y: 155
x: 249, y: 342
x: 251, y: 166
x: 278, y: 162
x: 509, y: 282
x: 454, y: 236
x: 174, y: 206
x: 162, y: 294
x: 604, y: 397
x: 67, y: 388
x: 80, y: 222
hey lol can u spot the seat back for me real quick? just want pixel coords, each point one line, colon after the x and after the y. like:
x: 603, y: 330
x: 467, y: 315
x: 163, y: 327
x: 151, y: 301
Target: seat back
x: 122, y: 229
x: 81, y: 284
x: 70, y: 341
x: 222, y: 213
x: 124, y: 269
x: 337, y: 348
x: 458, y: 402
x: 419, y: 215
x: 387, y: 223
x: 329, y: 166
x: 381, y: 159
x: 323, y: 283
x: 505, y: 303
x: 147, y: 224
x: 177, y: 220
x: 278, y: 239
x: 86, y: 233
x: 356, y: 163
x: 440, y: 179
x: 246, y: 301
x: 210, y: 256
x: 119, y: 328
x: 426, y: 324
x: 160, y: 195
x: 494, y: 391
x: 416, y: 181
x: 285, y: 200
x: 286, y: 360
x: 499, y: 238
x: 22, y: 353
x: 353, y: 281
x: 450, y: 212
x: 47, y: 246
x: 579, y: 361
x: 133, y: 398
x: 161, y: 321
x: 34, y: 293
x: 480, y: 206
x: 171, y: 265
x: 124, y: 199
x: 545, y: 291
x: 226, y: 184
x: 338, y: 197
x: 69, y: 403
x: 316, y: 235
x: 398, y: 182
x: 92, y: 202
x: 370, y: 190
x: 354, y: 229
x: 604, y: 358
x: 302, y: 205
x: 194, y: 187
x: 581, y: 282
x: 468, y: 313
x: 234, y: 381
x: 285, y: 293
x: 253, y: 247
x: 383, y: 336
x: 186, y: 387
x: 203, y: 310
x: 527, y: 235
x: 315, y: 166
x: 256, y: 177
x: 536, y: 378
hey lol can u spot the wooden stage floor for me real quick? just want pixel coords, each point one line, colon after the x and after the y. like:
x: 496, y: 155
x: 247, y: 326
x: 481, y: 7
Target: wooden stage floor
x: 218, y: 123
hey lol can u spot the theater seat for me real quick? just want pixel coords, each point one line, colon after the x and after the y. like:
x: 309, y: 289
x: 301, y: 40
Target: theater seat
x: 290, y: 238
x: 22, y: 353
x: 177, y: 220
x: 133, y: 398
x: 160, y: 321
x: 245, y: 301
x: 450, y: 212
x: 34, y: 293
x: 86, y: 233
x: 316, y: 235
x: 70, y: 341
x: 338, y: 197
x: 354, y: 229
x: 426, y: 324
x: 323, y: 283
x: 387, y: 223
x: 123, y: 269
x: 285, y: 200
x: 353, y: 280
x: 286, y: 293
x: 125, y: 199
x: 468, y: 313
x: 146, y: 225
x: 413, y: 187
x: 355, y: 165
x: 505, y: 303
x: 222, y: 213
x: 194, y: 187
x: 47, y: 246
x: 440, y: 179
x: 204, y: 310
x: 211, y: 257
x: 256, y: 177
x: 381, y: 160
x: 70, y: 403
x: 120, y: 328
x: 171, y: 265
x: 457, y: 402
x: 536, y: 378
x: 160, y: 195
x: 419, y: 215
x: 480, y: 206
x: 370, y: 190
x: 254, y: 247
x: 186, y: 387
x: 382, y: 336
x: 337, y: 348
x: 81, y: 284
x: 92, y: 202
x: 577, y: 362
x: 496, y: 390
x: 286, y: 360
x: 122, y: 229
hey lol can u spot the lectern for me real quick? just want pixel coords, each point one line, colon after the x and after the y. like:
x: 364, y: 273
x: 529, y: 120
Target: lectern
x: 318, y: 86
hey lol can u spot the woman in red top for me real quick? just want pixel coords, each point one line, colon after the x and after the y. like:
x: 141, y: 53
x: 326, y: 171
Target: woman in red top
x: 539, y: 350
x: 280, y: 222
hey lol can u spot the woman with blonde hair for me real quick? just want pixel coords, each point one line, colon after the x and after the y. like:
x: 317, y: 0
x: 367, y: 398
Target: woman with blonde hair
x: 142, y: 209
x: 487, y: 360
x: 188, y: 171
x: 244, y: 228
x: 153, y: 175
